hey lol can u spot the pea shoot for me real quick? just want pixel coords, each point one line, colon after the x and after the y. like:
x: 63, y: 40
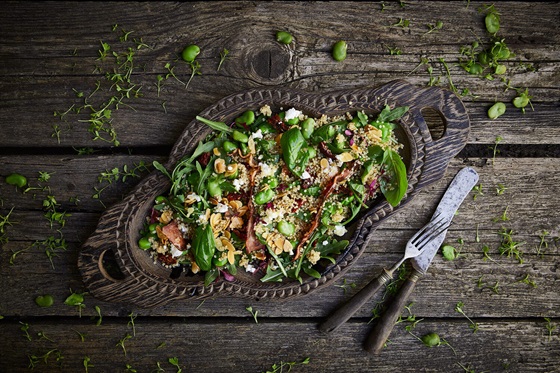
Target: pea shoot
x: 76, y: 300
x: 528, y: 280
x: 509, y: 247
x: 87, y: 363
x: 253, y: 313
x: 549, y: 327
x: 431, y: 28
x: 121, y: 342
x: 344, y: 286
x: 175, y: 362
x: 459, y: 309
x: 223, y: 54
x: 99, y: 316
x: 286, y: 366
x: 402, y: 23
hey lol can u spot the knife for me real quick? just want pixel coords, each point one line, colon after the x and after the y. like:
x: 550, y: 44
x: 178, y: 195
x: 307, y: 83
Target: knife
x: 455, y: 194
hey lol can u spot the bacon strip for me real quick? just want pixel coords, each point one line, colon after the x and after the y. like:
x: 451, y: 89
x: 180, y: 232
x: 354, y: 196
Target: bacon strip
x: 172, y: 232
x: 252, y: 243
x: 329, y: 189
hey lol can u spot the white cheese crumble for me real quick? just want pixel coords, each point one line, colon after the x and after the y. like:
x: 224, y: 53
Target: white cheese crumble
x: 291, y: 114
x: 238, y: 183
x: 325, y: 243
x: 221, y: 208
x: 339, y: 230
x: 266, y: 169
x: 175, y: 252
x: 194, y: 196
x: 305, y: 175
x: 257, y: 135
x: 250, y: 268
x: 271, y: 215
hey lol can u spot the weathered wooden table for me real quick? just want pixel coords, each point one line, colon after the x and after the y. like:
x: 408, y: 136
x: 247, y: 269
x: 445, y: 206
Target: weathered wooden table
x: 507, y: 274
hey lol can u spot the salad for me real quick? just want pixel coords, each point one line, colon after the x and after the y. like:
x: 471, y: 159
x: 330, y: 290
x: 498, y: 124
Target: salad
x: 273, y: 192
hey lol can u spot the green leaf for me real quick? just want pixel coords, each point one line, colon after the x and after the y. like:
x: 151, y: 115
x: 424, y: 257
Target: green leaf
x: 388, y: 115
x: 311, y: 272
x: 272, y: 275
x: 394, y: 182
x: 326, y: 247
x: 158, y: 166
x: 294, y: 151
x: 218, y: 126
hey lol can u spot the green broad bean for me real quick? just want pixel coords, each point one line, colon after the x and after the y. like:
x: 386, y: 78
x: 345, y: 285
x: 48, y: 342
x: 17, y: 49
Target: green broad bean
x: 339, y: 50
x: 307, y: 128
x: 152, y: 228
x: 229, y: 146
x: 160, y: 199
x: 284, y: 37
x: 271, y: 181
x: 247, y: 118
x: 293, y: 121
x: 492, y: 22
x: 264, y: 196
x: 496, y: 110
x: 312, y: 153
x: 144, y: 243
x: 240, y: 136
x: 219, y: 262
x: 213, y: 187
x: 17, y: 180
x: 190, y: 52
x: 44, y: 300
x: 286, y: 228
x: 431, y: 340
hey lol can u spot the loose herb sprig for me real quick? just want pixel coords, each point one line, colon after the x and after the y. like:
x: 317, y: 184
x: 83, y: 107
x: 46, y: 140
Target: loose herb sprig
x: 283, y: 365
x: 121, y: 342
x: 549, y: 327
x: 509, y: 246
x: 459, y: 308
x: 223, y: 55
x: 253, y: 313
x: 175, y: 362
x: 344, y: 286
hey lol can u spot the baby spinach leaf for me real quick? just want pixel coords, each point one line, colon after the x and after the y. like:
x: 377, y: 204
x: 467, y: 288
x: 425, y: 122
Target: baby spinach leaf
x: 294, y: 151
x: 394, y: 182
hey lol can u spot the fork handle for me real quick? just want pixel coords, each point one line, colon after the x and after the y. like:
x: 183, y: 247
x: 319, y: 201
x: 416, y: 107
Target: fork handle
x: 382, y: 330
x: 341, y: 315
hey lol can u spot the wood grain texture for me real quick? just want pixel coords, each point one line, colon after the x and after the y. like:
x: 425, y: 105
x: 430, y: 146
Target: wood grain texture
x: 48, y: 49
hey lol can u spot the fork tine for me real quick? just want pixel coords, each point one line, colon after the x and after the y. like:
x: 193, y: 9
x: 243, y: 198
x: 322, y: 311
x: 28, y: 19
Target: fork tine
x: 425, y: 239
x: 427, y: 227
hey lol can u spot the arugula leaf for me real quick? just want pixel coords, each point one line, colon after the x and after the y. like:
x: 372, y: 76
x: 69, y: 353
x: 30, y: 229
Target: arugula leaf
x: 394, y: 182
x: 388, y: 115
x: 218, y: 126
x: 272, y: 275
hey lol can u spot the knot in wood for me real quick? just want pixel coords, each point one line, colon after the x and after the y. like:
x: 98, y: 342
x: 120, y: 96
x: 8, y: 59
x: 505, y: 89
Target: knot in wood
x: 271, y: 63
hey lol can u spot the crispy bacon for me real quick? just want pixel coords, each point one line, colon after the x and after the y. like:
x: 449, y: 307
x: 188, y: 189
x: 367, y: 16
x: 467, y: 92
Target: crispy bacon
x: 204, y: 158
x: 329, y: 189
x: 167, y: 259
x: 252, y: 243
x: 172, y: 232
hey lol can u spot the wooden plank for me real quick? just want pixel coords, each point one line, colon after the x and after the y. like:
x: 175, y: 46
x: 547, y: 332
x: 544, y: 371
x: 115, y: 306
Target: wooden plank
x: 243, y: 346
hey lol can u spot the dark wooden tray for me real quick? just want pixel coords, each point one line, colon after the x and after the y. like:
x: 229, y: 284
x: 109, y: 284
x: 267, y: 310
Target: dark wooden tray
x: 142, y: 282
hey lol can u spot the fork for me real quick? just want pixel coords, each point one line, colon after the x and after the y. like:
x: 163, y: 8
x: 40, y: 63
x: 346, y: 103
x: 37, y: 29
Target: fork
x: 414, y: 247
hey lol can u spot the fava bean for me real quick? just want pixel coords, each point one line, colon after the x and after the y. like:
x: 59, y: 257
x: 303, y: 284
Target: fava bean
x: 286, y: 228
x: 160, y: 199
x: 219, y: 262
x: 240, y: 136
x: 271, y: 181
x: 307, y: 128
x: 214, y: 188
x: 190, y: 52
x: 44, y: 300
x: 229, y: 146
x: 496, y: 110
x: 492, y: 22
x: 17, y: 180
x: 247, y: 117
x: 339, y: 50
x: 264, y: 196
x: 284, y: 37
x: 144, y: 243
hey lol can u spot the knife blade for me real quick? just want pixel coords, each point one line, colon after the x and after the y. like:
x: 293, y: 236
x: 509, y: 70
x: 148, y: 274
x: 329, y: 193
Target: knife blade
x: 455, y: 194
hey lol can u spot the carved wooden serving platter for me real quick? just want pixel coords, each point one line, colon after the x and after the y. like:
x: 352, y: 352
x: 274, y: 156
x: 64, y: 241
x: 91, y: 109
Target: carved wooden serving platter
x: 140, y: 281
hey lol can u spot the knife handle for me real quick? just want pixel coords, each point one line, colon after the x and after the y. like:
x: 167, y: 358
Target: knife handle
x: 341, y: 315
x: 378, y: 336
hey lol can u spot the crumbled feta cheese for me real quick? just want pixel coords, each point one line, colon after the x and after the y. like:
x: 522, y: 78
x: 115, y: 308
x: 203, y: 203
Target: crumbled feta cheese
x: 325, y: 243
x: 291, y: 114
x: 339, y: 230
x: 202, y: 219
x: 175, y: 252
x: 237, y: 183
x: 266, y: 169
x: 257, y: 135
x: 305, y: 175
x: 251, y: 268
x: 221, y: 208
x: 194, y: 196
x: 271, y: 215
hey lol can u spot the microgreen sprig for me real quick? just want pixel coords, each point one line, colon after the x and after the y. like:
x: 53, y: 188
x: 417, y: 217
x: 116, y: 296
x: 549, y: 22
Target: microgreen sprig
x: 223, y: 55
x: 253, y: 313
x: 281, y: 367
x: 459, y: 308
x: 175, y: 362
